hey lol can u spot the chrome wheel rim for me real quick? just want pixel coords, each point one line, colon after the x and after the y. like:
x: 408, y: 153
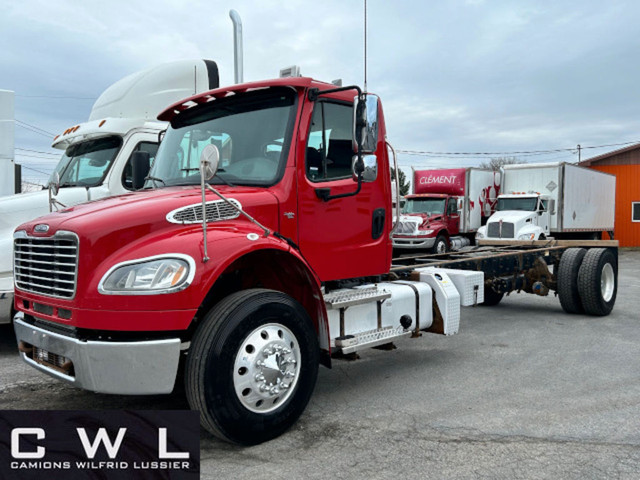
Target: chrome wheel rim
x: 607, y: 282
x: 266, y: 368
x: 441, y: 247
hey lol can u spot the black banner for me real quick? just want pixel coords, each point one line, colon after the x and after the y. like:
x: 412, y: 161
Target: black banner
x: 110, y: 444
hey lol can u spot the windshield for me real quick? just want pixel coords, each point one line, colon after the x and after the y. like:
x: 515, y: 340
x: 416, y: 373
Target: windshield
x: 85, y: 164
x: 429, y: 206
x: 527, y: 204
x: 252, y: 132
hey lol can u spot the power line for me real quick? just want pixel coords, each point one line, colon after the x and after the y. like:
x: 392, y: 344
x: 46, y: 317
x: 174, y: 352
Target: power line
x: 529, y: 152
x: 57, y: 97
x: 37, y: 151
x: 34, y: 127
x: 35, y: 170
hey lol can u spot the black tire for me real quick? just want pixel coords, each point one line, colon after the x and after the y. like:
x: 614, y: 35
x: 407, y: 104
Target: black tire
x: 598, y: 281
x: 211, y: 370
x: 567, y: 279
x: 441, y: 245
x: 491, y: 297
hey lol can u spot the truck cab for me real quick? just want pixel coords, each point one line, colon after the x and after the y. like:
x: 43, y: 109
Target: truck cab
x: 519, y: 216
x: 97, y: 155
x: 428, y: 221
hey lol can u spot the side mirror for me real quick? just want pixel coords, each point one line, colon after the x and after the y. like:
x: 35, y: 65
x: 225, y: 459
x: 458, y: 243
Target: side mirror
x: 365, y: 123
x: 140, y: 165
x: 54, y: 184
x: 370, y: 172
x: 209, y: 160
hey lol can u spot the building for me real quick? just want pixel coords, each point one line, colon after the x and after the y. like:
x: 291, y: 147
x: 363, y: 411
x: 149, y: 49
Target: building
x: 625, y: 165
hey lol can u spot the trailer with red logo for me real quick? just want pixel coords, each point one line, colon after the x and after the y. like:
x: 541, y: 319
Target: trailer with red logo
x: 259, y: 249
x: 446, y: 209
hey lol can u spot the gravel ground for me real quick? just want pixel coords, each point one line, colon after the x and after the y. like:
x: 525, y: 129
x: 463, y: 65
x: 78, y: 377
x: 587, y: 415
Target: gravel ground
x: 523, y: 391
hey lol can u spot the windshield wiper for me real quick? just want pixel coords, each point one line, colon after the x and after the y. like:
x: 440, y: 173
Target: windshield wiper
x: 154, y: 180
x: 224, y: 180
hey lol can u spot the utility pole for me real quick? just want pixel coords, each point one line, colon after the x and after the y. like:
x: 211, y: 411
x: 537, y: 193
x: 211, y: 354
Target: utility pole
x: 579, y: 153
x: 7, y: 126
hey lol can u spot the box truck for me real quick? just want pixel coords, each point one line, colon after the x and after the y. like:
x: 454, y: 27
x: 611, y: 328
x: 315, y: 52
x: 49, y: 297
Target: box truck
x: 446, y: 208
x: 558, y: 200
x: 97, y: 156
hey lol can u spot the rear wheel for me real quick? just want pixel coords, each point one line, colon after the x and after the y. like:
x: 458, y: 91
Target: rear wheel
x: 252, y: 366
x: 598, y: 281
x: 491, y: 297
x: 567, y: 279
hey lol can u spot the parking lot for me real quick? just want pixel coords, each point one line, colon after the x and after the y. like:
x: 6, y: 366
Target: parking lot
x: 523, y: 391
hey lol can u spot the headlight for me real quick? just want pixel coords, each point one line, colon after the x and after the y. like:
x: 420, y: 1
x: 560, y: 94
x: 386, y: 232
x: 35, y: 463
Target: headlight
x: 479, y: 235
x: 527, y: 236
x: 149, y: 276
x: 425, y: 232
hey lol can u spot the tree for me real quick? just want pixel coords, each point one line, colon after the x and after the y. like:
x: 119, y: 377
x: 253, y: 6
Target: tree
x: 402, y: 180
x: 497, y: 162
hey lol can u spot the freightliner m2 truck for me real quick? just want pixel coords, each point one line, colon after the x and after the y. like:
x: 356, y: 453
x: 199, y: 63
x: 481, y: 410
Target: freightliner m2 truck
x: 96, y: 162
x: 260, y: 248
x: 446, y: 208
x: 552, y: 200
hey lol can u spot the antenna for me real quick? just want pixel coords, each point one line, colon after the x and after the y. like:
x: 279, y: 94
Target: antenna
x: 365, y: 46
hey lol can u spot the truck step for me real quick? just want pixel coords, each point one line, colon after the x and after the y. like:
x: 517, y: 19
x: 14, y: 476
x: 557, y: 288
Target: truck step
x: 372, y: 338
x: 355, y: 296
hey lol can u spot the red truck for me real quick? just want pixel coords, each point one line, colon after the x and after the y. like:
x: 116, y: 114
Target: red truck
x: 258, y: 248
x: 447, y: 208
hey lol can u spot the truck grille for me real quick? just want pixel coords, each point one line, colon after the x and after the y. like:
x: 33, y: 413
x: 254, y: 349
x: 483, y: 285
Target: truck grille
x: 493, y: 230
x: 216, y: 210
x: 46, y: 266
x: 407, y: 228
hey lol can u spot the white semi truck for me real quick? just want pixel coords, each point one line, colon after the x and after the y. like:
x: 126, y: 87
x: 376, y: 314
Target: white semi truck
x: 97, y: 158
x: 552, y: 200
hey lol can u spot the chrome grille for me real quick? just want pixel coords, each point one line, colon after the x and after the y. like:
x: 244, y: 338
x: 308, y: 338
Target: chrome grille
x: 46, y: 266
x: 493, y: 230
x: 216, y: 210
x: 407, y: 228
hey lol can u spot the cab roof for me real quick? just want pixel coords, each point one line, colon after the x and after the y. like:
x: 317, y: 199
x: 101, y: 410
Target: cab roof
x: 299, y: 83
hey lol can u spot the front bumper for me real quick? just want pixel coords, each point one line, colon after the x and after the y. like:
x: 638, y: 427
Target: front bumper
x: 6, y: 305
x: 126, y: 368
x: 413, y: 242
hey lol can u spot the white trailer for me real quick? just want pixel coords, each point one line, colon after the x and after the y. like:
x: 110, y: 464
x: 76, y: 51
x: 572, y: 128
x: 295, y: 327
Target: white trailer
x: 96, y: 162
x: 561, y: 200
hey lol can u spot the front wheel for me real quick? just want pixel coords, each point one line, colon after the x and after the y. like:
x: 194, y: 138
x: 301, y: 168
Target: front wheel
x: 252, y: 366
x: 441, y: 245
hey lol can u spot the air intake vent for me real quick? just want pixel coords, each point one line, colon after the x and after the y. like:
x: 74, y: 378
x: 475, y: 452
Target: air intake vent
x: 46, y: 266
x: 216, y: 210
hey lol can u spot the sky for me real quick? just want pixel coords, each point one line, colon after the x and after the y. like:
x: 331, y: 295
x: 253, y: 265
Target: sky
x: 454, y: 76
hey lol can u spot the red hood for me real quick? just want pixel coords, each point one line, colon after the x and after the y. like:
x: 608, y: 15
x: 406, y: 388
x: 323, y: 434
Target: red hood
x: 146, y: 210
x: 107, y: 225
x: 431, y: 218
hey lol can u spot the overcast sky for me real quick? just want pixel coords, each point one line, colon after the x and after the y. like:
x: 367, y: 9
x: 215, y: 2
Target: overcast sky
x: 453, y: 75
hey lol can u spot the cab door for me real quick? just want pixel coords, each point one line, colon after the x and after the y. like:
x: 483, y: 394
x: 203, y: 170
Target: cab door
x: 345, y: 237
x: 453, y: 216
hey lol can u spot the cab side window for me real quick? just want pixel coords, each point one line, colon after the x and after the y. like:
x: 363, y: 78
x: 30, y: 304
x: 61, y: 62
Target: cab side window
x: 127, y: 174
x: 329, y: 149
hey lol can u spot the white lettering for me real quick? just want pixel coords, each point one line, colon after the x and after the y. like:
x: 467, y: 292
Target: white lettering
x: 451, y: 179
x: 162, y: 447
x: 102, y: 437
x: 15, y: 442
